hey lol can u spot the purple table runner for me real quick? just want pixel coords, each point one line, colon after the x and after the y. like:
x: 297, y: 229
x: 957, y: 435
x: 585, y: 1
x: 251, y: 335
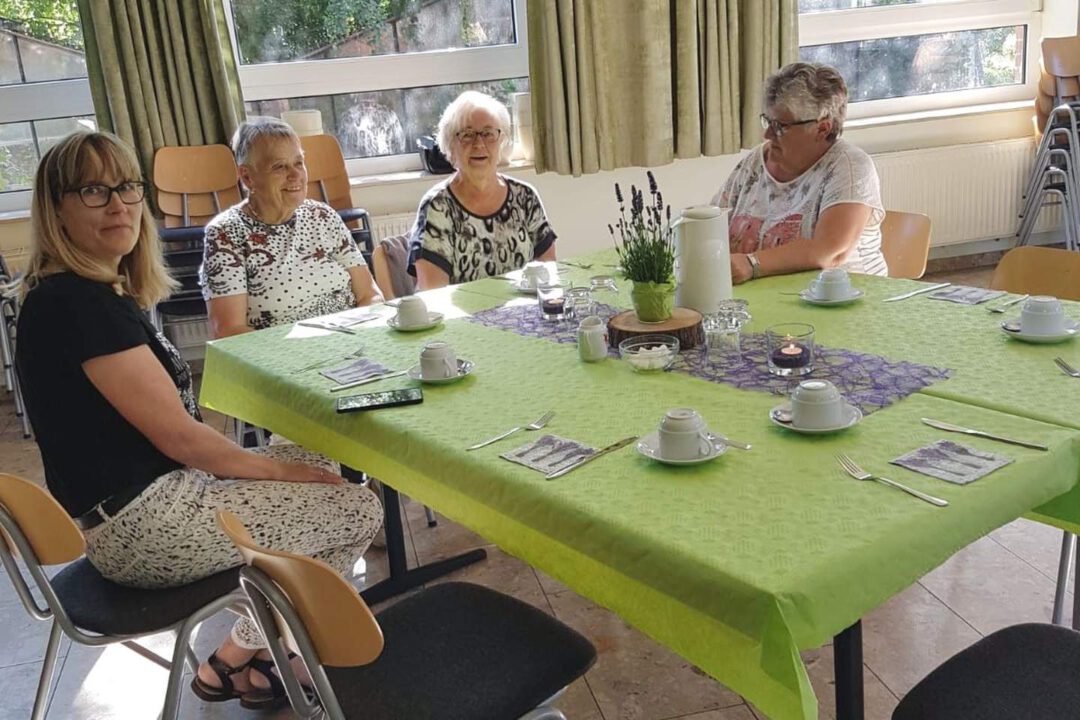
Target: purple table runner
x: 868, y: 381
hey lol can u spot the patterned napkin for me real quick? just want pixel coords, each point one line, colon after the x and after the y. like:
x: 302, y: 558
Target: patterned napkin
x: 953, y: 462
x: 965, y: 295
x: 354, y: 370
x: 549, y: 453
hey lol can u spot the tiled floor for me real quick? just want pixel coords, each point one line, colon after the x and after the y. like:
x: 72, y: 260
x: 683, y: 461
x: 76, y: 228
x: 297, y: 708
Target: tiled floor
x: 1004, y: 578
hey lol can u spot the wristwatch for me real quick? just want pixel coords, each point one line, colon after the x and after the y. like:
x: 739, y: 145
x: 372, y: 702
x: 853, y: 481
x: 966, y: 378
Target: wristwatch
x: 755, y: 266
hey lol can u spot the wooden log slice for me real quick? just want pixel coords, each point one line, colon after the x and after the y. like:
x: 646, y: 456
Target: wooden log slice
x: 684, y: 324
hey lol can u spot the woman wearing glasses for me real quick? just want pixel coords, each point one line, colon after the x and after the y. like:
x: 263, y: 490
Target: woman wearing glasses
x: 121, y: 438
x: 805, y: 198
x: 479, y: 222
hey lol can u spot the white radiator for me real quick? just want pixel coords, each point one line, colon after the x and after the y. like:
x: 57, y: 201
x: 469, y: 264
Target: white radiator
x: 383, y: 226
x: 971, y: 192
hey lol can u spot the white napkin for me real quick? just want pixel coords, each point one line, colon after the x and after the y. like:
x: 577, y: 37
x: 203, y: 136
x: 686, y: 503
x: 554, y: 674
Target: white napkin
x: 965, y: 295
x: 354, y: 370
x: 951, y: 461
x: 549, y: 453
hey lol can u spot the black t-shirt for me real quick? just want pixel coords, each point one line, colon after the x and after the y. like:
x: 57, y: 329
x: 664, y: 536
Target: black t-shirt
x: 90, y: 452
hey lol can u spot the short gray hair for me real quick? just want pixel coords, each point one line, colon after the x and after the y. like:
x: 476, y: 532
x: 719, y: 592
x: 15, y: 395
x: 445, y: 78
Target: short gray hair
x: 252, y: 129
x: 809, y: 90
x: 456, y: 115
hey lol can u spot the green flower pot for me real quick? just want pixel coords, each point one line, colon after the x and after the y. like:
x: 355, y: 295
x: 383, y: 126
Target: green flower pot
x: 653, y: 301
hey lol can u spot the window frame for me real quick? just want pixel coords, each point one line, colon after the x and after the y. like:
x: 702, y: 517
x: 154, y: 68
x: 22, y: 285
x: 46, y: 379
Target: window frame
x: 849, y: 25
x: 312, y: 78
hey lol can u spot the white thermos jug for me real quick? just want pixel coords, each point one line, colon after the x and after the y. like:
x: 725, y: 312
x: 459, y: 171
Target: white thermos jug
x: 702, y: 258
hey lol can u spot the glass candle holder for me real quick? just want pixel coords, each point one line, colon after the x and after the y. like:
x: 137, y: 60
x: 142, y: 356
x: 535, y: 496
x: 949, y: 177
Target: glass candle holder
x: 580, y: 299
x: 553, y: 304
x: 790, y: 348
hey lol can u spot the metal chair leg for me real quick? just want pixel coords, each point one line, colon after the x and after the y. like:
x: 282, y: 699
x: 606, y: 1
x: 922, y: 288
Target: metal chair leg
x: 1068, y: 547
x: 41, y: 699
x: 430, y: 515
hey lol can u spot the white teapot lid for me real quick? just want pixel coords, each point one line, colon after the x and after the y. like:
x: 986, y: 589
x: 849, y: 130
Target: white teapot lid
x: 702, y: 212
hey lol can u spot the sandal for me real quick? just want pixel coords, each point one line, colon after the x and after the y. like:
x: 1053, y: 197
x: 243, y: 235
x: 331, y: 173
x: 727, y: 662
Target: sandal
x: 270, y: 698
x: 209, y: 693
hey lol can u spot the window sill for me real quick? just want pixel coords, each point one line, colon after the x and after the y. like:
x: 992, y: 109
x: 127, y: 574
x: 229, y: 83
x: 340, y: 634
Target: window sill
x: 408, y: 176
x: 942, y: 114
x: 14, y: 216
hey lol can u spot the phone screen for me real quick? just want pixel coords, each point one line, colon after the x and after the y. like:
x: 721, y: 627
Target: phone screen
x: 387, y: 398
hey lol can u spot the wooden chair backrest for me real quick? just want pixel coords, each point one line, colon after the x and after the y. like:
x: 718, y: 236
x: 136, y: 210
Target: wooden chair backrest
x: 341, y: 626
x: 325, y: 163
x: 1039, y: 271
x: 46, y: 525
x: 905, y: 243
x: 1061, y: 56
x: 198, y: 172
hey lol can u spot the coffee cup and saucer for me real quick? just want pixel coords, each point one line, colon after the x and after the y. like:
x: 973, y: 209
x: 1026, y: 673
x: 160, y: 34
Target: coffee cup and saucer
x: 534, y: 276
x: 683, y: 438
x: 440, y: 365
x: 816, y: 407
x: 413, y: 315
x: 831, y: 287
x: 1042, y: 320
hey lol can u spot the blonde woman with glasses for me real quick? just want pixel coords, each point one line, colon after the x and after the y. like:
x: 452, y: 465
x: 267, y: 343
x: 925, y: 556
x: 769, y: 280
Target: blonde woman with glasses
x: 479, y: 222
x: 118, y: 427
x: 804, y: 199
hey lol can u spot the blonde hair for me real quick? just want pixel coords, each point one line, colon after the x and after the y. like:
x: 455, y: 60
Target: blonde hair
x: 80, y: 158
x: 456, y: 116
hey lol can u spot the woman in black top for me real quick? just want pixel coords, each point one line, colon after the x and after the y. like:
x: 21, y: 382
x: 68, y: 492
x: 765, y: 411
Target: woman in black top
x: 121, y: 439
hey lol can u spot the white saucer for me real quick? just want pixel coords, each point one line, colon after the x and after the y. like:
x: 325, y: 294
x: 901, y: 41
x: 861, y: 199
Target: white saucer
x: 1012, y: 329
x: 464, y: 367
x: 807, y: 297
x: 649, y: 446
x: 852, y: 416
x: 434, y: 319
x: 525, y: 290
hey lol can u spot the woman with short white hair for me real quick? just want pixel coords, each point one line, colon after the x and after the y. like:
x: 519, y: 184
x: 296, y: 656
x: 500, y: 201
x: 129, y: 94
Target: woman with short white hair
x: 479, y: 222
x: 805, y: 198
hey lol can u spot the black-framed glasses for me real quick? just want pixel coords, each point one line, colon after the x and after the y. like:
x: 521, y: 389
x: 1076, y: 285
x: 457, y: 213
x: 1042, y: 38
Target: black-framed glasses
x: 488, y: 135
x: 131, y: 192
x: 780, y: 127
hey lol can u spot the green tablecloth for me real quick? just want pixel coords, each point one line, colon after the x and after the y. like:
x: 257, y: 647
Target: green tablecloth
x: 736, y: 565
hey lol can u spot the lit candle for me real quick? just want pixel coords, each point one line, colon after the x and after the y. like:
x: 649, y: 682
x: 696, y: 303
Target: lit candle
x: 791, y: 355
x: 553, y: 306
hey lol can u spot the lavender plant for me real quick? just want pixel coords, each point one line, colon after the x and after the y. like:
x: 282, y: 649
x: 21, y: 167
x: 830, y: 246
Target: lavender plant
x: 645, y: 241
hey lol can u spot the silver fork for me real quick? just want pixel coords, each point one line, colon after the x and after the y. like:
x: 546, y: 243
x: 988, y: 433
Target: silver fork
x: 1066, y: 367
x: 358, y: 353
x: 540, y: 422
x: 1003, y: 306
x: 583, y: 266
x: 859, y: 474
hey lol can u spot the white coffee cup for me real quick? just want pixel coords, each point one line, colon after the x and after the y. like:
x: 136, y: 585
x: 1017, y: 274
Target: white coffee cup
x: 438, y: 361
x: 412, y: 311
x: 534, y: 274
x: 816, y: 404
x: 831, y: 284
x: 592, y: 339
x: 1042, y: 315
x: 683, y: 435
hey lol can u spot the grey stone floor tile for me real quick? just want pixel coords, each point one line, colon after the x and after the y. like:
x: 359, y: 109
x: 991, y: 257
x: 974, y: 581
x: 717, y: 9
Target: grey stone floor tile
x: 18, y: 685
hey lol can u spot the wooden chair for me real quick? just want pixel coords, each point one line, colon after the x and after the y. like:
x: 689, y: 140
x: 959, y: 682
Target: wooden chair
x: 86, y: 607
x: 389, y: 264
x: 1061, y: 61
x: 453, y: 651
x: 905, y: 243
x: 1039, y: 271
x: 328, y: 182
x: 195, y: 183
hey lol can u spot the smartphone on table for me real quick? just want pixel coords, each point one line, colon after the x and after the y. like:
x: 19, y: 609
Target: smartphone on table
x: 376, y: 400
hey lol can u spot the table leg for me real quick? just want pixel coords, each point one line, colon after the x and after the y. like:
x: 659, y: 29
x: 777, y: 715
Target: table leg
x: 1076, y: 580
x: 402, y: 579
x: 848, y: 668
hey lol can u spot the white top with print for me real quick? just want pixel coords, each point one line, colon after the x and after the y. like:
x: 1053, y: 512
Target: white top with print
x: 290, y: 272
x: 766, y: 213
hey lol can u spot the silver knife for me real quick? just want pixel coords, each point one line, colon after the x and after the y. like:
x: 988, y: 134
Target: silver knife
x: 610, y: 448
x: 328, y: 326
x: 920, y: 291
x: 723, y: 440
x: 365, y: 381
x: 949, y: 427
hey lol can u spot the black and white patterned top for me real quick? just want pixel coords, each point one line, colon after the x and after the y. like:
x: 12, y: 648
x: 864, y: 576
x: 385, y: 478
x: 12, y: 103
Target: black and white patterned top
x: 467, y: 246
x: 290, y: 272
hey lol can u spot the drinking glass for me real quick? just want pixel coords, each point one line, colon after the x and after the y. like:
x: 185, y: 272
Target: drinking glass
x: 723, y: 329
x: 580, y: 300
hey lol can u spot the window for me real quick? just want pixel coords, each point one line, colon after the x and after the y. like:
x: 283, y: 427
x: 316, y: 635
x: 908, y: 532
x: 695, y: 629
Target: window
x: 379, y: 71
x: 44, y: 94
x: 910, y: 55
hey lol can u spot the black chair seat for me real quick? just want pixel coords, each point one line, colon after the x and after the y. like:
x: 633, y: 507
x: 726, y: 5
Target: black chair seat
x: 1024, y: 672
x: 102, y: 606
x: 462, y: 652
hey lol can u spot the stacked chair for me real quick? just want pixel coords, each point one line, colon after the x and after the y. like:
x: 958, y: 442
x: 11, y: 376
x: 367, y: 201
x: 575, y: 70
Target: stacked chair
x: 9, y: 319
x: 328, y: 182
x: 1054, y: 174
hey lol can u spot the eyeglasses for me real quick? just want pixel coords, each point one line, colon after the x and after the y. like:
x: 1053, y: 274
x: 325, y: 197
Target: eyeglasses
x: 779, y: 127
x: 488, y: 136
x: 131, y: 192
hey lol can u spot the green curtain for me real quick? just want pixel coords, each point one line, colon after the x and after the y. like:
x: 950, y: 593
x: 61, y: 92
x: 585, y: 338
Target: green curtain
x: 162, y: 72
x: 619, y: 83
